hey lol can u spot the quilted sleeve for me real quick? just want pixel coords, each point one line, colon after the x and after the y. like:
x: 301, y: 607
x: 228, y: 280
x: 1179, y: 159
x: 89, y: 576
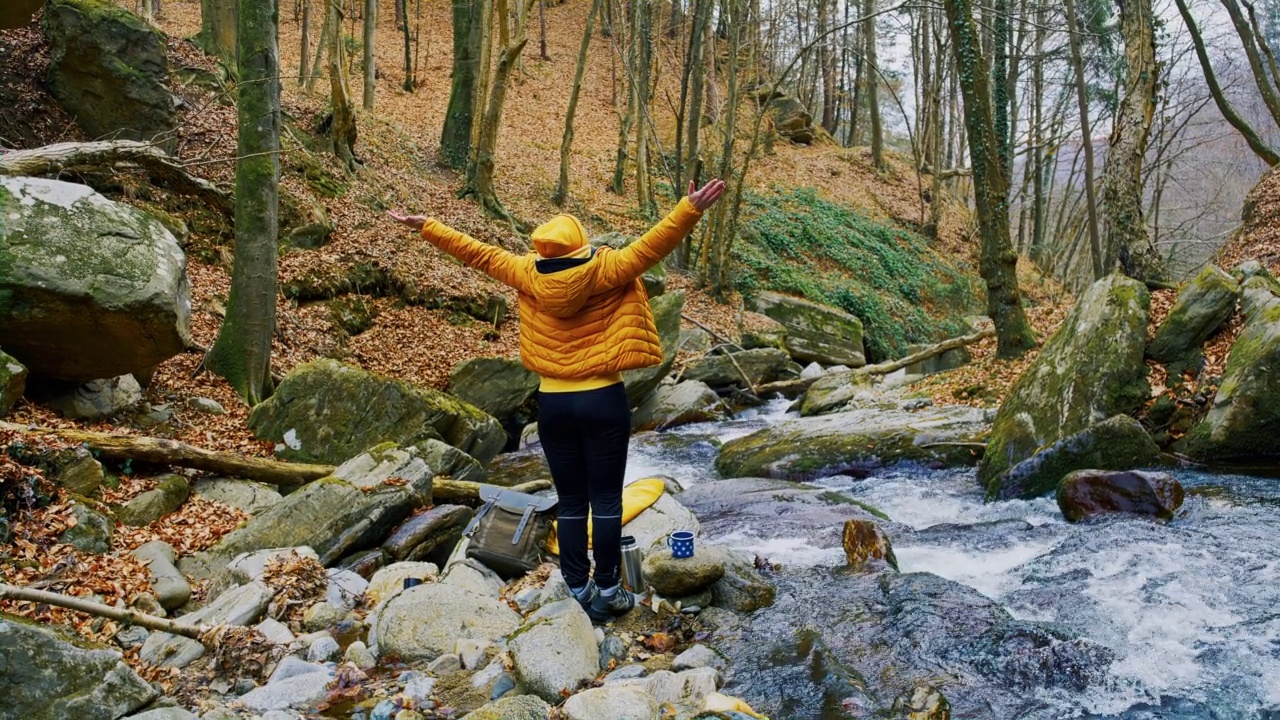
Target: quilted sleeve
x: 505, y: 267
x: 629, y: 263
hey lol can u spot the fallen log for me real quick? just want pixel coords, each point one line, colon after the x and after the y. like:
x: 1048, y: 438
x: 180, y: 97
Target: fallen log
x: 105, y: 155
x: 132, y: 617
x: 159, y: 451
x: 464, y: 492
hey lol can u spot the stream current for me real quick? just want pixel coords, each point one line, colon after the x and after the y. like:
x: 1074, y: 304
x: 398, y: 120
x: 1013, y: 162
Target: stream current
x: 1007, y: 609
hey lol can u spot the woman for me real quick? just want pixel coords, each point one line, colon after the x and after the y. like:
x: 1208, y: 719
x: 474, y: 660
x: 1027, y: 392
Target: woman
x: 584, y: 318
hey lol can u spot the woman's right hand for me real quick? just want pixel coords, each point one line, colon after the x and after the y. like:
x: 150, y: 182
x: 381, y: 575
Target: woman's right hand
x: 707, y: 196
x: 413, y: 221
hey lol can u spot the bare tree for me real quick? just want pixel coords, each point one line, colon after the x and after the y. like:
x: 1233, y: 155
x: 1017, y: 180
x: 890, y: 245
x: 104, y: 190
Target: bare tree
x: 343, y: 127
x: 562, y: 186
x: 1086, y: 138
x: 455, y: 139
x: 370, y: 34
x: 218, y: 29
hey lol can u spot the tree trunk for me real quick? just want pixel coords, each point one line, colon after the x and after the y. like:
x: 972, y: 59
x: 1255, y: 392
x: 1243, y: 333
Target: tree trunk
x: 1100, y: 267
x: 408, y: 53
x: 1000, y: 83
x: 694, y: 73
x: 998, y: 262
x: 826, y: 60
x: 370, y: 68
x: 305, y: 56
x: 242, y: 352
x: 218, y: 29
x: 542, y: 22
x: 1265, y: 83
x: 720, y: 238
x: 873, y: 85
x: 149, y: 10
x: 343, y: 129
x: 322, y: 47
x: 485, y: 28
x: 1036, y: 140
x: 562, y: 187
x: 455, y: 140
x: 1127, y: 237
x: 644, y: 40
x: 628, y: 117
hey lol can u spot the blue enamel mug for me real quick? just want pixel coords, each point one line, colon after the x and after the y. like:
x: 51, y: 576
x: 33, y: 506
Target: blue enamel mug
x: 681, y: 544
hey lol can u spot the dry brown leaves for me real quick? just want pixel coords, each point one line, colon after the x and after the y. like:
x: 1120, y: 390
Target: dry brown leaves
x: 1259, y: 237
x: 299, y: 582
x: 241, y: 652
x: 198, y: 525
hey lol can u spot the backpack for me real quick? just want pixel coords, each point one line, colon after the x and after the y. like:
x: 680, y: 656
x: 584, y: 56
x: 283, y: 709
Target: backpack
x: 509, y: 530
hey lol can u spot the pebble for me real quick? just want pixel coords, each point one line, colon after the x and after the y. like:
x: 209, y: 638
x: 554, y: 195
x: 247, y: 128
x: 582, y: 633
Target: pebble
x: 503, y: 685
x: 419, y: 689
x: 384, y: 710
x: 131, y: 637
x: 470, y: 652
x: 698, y: 656
x: 359, y: 655
x: 491, y: 672
x: 244, y: 686
x: 626, y: 672
x: 612, y: 649
x: 206, y: 405
x: 293, y: 667
x: 323, y: 649
x: 445, y: 664
x: 527, y: 599
x: 322, y: 615
x: 599, y: 635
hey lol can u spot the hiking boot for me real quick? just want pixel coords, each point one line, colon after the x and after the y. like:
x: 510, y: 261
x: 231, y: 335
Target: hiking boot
x: 604, y: 608
x: 588, y: 597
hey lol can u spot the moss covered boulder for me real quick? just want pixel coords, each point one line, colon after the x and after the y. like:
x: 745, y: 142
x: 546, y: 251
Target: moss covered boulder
x: 1090, y: 370
x: 1244, y: 419
x: 1089, y: 493
x: 761, y: 365
x: 688, y: 402
x: 1117, y: 443
x: 502, y: 387
x: 666, y: 315
x: 426, y: 621
x: 325, y: 412
x: 13, y: 382
x: 833, y: 392
x: 52, y: 674
x: 109, y: 69
x: 89, y: 288
x: 813, y: 447
x: 1202, y: 306
x: 167, y: 496
x: 815, y: 333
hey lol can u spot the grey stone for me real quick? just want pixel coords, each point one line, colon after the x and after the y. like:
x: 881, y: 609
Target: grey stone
x: 325, y: 411
x: 76, y: 470
x: 554, y: 590
x: 429, y: 534
x: 424, y: 622
x: 626, y: 672
x: 1203, y: 305
x: 93, y: 528
x: 323, y: 649
x: 167, y: 713
x: 291, y: 667
x: 250, y: 566
x: 220, y: 713
x: 555, y: 650
x: 502, y: 387
x: 677, y: 577
x: 815, y: 332
x: 170, y: 586
x: 791, y: 120
x: 445, y: 664
x: 298, y: 691
x: 246, y: 495
x: 345, y: 588
x: 322, y: 615
x: 419, y: 689
x: 742, y: 589
x: 131, y: 636
x: 471, y: 652
x: 699, y: 656
x: 207, y: 406
x: 357, y: 654
x: 812, y: 371
x: 474, y: 577
x: 666, y: 316
x: 669, y: 406
x: 242, y: 605
x: 94, y: 288
x: 390, y: 580
x: 527, y: 599
x: 518, y: 707
x: 167, y: 496
x: 612, y: 652
x: 97, y: 399
x: 942, y: 362
x: 695, y: 340
x: 13, y: 382
x: 1117, y: 443
x: 834, y: 392
x: 502, y: 685
x: 275, y: 631
x: 759, y: 366
x: 52, y: 674
x: 612, y: 702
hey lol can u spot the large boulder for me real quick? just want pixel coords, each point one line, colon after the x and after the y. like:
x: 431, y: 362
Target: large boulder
x: 742, y: 589
x: 96, y: 399
x: 93, y: 528
x: 89, y: 288
x: 325, y: 411
x: 815, y: 333
x: 613, y: 702
x: 791, y: 120
x: 1117, y: 443
x: 759, y: 366
x: 555, y: 651
x: 354, y: 509
x: 245, y: 495
x: 666, y: 316
x: 108, y: 68
x: 425, y: 622
x: 430, y: 535
x: 1087, y: 493
x: 13, y: 382
x: 1202, y: 306
x: 515, y: 707
x: 242, y: 605
x: 1090, y: 370
x: 502, y: 387
x: 834, y: 392
x: 813, y: 447
x: 1244, y: 418
x: 688, y: 402
x: 170, y: 586
x: 864, y: 541
x: 47, y: 673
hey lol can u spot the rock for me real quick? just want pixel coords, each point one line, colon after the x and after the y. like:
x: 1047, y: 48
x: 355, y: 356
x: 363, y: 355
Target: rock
x: 518, y: 707
x: 167, y: 713
x: 242, y: 605
x: 677, y: 577
x: 248, y: 567
x: 131, y: 637
x: 864, y: 541
x: 671, y: 405
x: 445, y: 664
x: 613, y: 652
x: 624, y: 673
x: 321, y: 616
x: 503, y: 685
x: 431, y: 534
x: 92, y: 288
x: 424, y: 622
x: 92, y: 531
x: 170, y: 586
x: 833, y: 392
x: 357, y: 654
x: 13, y: 382
x: 949, y: 360
x: 922, y: 703
x: 76, y: 470
x: 1242, y: 420
x: 364, y: 563
x: 555, y: 590
x: 304, y: 690
x: 656, y: 522
x: 555, y: 650
x: 666, y: 317
x: 471, y: 653
x: 419, y: 689
x: 1090, y: 370
x: 695, y: 339
x: 324, y: 649
x: 1088, y: 493
x: 812, y: 371
x: 325, y: 411
x: 246, y: 495
x: 109, y: 70
x: 51, y: 674
x: 791, y: 120
x: 351, y: 510
x: 742, y: 589
x: 97, y: 399
x: 275, y: 631
x: 502, y: 387
x: 814, y: 447
x: 612, y: 703
x: 1117, y: 443
x: 1202, y: 306
x: 208, y: 406
x: 527, y: 599
x: 699, y: 656
x: 390, y: 580
x: 815, y: 333
x: 291, y: 667
x: 761, y: 365
x: 474, y: 577
x: 221, y: 713
x: 345, y: 588
x: 687, y: 686
x: 767, y: 333
x: 168, y: 495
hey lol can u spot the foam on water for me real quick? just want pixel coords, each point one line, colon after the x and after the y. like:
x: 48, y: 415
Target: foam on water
x: 988, y: 572
x: 795, y: 552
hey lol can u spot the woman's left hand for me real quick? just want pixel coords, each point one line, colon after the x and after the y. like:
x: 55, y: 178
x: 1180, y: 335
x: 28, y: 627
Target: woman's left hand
x: 707, y: 196
x: 413, y: 221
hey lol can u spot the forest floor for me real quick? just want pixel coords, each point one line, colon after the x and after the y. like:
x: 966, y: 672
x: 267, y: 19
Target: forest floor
x: 398, y: 145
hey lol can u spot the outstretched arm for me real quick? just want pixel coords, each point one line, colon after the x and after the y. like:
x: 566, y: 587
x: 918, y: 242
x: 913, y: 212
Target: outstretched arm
x: 634, y: 260
x: 501, y: 265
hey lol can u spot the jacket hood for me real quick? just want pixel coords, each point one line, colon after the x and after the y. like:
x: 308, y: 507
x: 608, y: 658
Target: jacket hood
x: 563, y: 285
x: 560, y: 236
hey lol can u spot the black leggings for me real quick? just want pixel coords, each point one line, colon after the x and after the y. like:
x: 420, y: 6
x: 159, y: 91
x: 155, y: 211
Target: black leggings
x: 584, y: 436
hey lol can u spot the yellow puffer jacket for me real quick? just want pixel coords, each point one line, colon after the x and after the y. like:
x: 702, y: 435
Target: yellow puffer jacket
x: 590, y: 318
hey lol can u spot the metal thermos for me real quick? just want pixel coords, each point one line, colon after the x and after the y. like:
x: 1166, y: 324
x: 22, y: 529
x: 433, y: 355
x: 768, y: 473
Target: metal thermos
x: 632, y: 558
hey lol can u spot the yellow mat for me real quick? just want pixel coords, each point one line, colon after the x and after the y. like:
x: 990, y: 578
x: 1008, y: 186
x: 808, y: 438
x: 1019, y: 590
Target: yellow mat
x: 636, y: 498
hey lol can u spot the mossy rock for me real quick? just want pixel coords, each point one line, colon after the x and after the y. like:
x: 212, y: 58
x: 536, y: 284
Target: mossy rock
x: 1090, y: 370
x: 1201, y: 308
x: 815, y: 333
x: 760, y: 366
x: 325, y: 412
x: 833, y: 392
x: 167, y: 496
x: 502, y: 387
x: 1244, y: 419
x: 93, y: 529
x: 13, y: 382
x: 1117, y: 443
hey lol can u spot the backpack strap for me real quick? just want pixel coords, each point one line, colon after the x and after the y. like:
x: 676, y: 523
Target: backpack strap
x: 524, y: 520
x: 475, y: 521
